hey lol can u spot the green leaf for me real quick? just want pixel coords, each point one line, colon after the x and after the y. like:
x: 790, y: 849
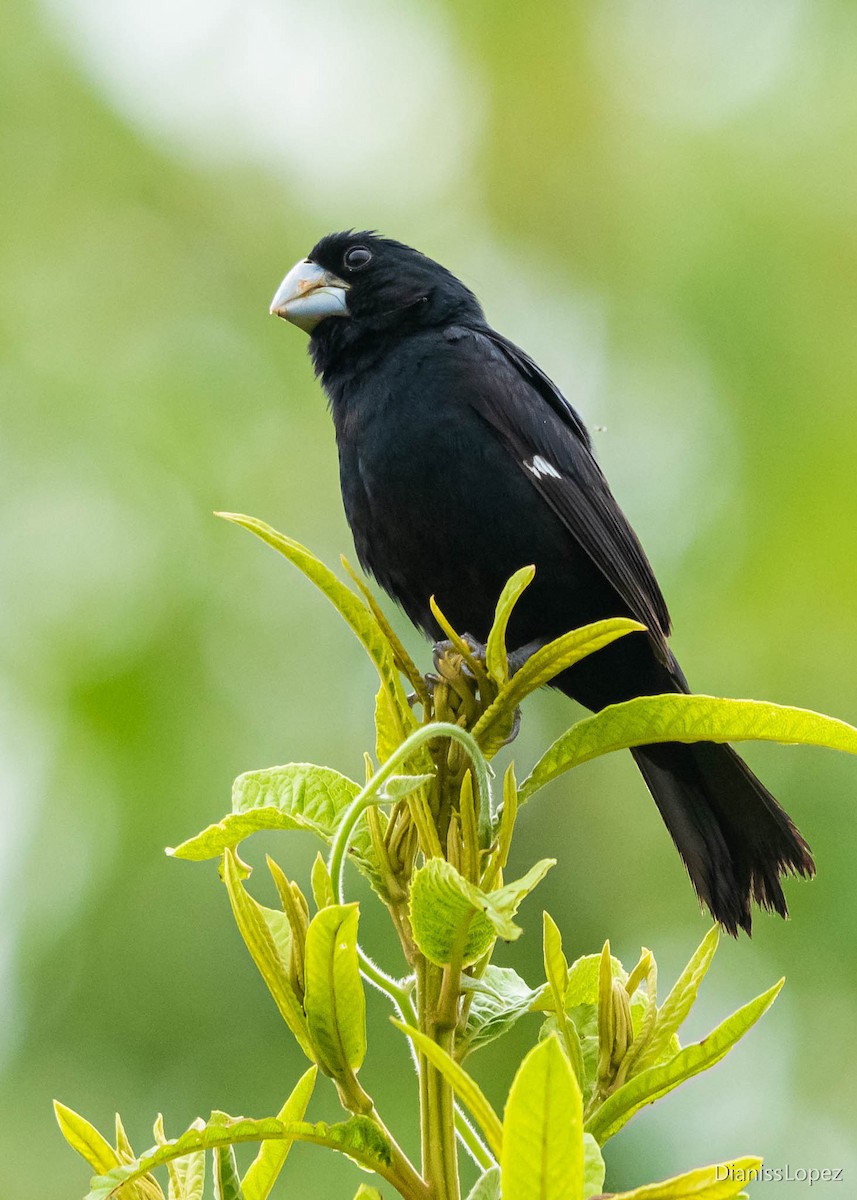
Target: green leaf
x: 540, y: 668
x: 123, y: 1146
x: 556, y: 964
x: 678, y: 1003
x: 359, y: 1138
x: 85, y: 1139
x: 446, y: 912
x: 400, y: 655
x: 581, y: 1005
x: 466, y: 1088
x: 582, y: 985
x: 388, y: 736
x: 722, y: 1181
x: 584, y: 977
x: 322, y: 887
x: 294, y: 796
x: 187, y: 1175
x: 505, y: 828
x: 288, y: 925
x: 227, y: 1185
x: 496, y: 659
x: 557, y: 656
x: 266, y: 1166
x: 462, y: 647
x: 487, y: 1186
x: 147, y: 1187
x: 655, y: 1082
x: 334, y: 1001
x: 314, y: 796
x: 642, y: 991
x: 220, y: 1130
x: 556, y: 971
x: 593, y: 1167
x: 190, y: 1174
x: 543, y: 1129
x: 367, y: 1193
x: 585, y: 1024
x: 228, y: 833
x: 680, y: 718
x: 615, y: 1029
x: 259, y: 940
x: 280, y: 930
x: 505, y: 901
x: 355, y: 613
x: 449, y: 914
x: 500, y: 997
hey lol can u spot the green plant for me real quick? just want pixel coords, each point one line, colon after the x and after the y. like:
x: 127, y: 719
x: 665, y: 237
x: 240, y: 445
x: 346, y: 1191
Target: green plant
x: 426, y: 831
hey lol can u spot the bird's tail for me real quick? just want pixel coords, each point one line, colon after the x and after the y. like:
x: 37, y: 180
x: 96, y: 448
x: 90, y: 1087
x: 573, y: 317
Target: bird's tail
x: 733, y: 837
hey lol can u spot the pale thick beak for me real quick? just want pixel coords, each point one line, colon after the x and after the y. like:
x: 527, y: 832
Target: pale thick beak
x: 308, y: 295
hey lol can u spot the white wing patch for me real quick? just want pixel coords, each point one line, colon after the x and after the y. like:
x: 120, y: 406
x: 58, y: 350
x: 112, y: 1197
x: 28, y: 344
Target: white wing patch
x: 540, y: 466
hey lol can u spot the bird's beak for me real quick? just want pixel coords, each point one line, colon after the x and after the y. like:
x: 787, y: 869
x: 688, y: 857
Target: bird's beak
x: 309, y: 294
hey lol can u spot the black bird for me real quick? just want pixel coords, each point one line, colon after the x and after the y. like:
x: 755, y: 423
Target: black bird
x: 460, y: 461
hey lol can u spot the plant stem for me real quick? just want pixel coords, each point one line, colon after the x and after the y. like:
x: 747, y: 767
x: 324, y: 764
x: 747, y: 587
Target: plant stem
x: 369, y: 794
x: 440, y: 1159
x: 472, y: 1142
x: 438, y: 990
x: 399, y: 994
x: 445, y: 1127
x: 407, y: 1181
x: 423, y: 1068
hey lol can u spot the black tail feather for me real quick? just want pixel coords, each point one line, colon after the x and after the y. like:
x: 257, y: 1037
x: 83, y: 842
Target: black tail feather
x: 733, y: 837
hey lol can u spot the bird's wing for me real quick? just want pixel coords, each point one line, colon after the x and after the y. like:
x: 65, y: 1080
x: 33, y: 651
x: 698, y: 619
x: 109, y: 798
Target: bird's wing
x: 549, y: 442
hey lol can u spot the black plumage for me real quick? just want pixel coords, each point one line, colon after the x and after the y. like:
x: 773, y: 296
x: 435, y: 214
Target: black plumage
x: 460, y: 461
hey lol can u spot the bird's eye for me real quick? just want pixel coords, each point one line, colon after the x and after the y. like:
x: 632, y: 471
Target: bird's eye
x: 357, y: 257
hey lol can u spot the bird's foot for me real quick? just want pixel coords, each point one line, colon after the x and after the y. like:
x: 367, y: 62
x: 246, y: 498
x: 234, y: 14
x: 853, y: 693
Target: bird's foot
x: 517, y: 658
x: 440, y: 650
x: 516, y: 728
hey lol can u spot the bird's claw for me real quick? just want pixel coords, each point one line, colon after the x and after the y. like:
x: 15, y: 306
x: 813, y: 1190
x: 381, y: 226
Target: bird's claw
x: 518, y: 658
x: 447, y: 646
x: 516, y: 727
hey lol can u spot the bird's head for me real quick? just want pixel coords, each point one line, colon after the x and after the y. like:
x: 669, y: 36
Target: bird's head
x: 353, y: 284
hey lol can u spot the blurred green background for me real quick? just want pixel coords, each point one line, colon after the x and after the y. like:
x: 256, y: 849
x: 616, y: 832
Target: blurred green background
x: 658, y: 199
